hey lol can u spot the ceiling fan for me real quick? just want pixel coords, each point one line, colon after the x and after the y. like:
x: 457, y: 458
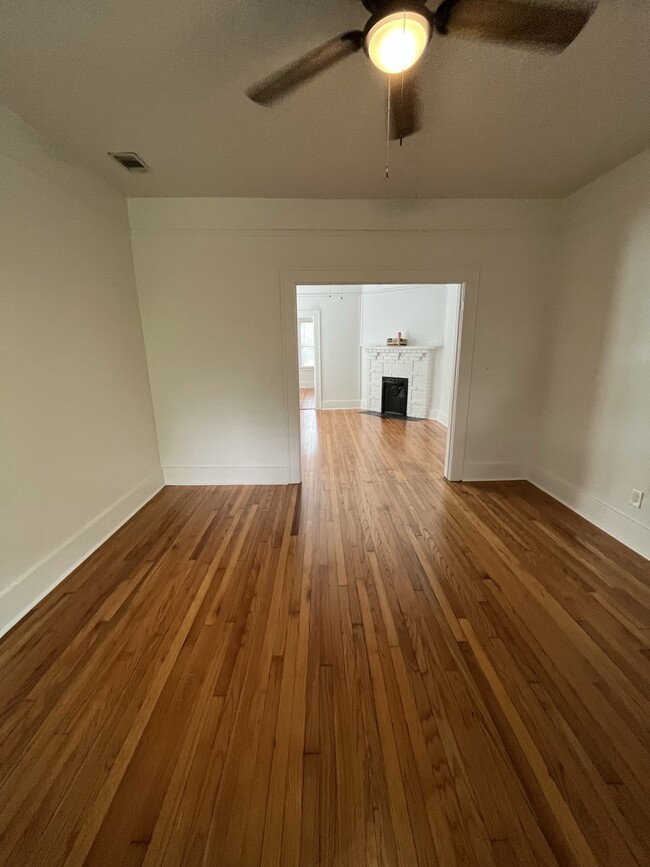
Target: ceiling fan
x: 398, y: 31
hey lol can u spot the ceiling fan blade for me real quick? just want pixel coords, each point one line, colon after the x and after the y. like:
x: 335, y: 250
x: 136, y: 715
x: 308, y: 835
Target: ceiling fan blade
x: 538, y: 26
x: 405, y: 110
x: 278, y: 85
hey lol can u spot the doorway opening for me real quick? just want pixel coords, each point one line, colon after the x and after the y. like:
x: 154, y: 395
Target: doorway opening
x: 309, y: 357
x: 354, y: 338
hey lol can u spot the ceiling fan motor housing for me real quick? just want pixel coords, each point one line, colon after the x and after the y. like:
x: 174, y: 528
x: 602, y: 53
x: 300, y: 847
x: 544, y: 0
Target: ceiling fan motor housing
x: 379, y: 8
x: 389, y: 7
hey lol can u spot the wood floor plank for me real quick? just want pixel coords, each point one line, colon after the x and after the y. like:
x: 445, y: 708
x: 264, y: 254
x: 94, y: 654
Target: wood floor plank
x: 376, y: 669
x: 577, y: 848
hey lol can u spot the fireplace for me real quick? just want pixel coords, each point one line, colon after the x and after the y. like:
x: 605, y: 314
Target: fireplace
x: 394, y: 395
x: 413, y: 363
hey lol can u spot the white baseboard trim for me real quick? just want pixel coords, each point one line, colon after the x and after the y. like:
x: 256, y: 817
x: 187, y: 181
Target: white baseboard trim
x: 628, y: 531
x: 341, y: 404
x: 493, y: 472
x: 215, y: 475
x: 35, y: 583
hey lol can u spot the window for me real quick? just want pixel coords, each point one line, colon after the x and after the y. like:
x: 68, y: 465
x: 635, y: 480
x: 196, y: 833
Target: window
x: 306, y: 342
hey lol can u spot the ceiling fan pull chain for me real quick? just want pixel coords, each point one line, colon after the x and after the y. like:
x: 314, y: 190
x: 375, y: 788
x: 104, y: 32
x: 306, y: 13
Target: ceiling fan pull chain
x: 401, y: 113
x: 401, y: 96
x: 387, y: 125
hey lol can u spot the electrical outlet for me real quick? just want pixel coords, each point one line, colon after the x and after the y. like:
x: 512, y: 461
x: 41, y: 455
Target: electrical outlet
x: 637, y: 498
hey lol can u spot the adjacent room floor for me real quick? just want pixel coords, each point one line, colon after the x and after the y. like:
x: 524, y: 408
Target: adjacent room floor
x: 378, y: 668
x: 307, y: 398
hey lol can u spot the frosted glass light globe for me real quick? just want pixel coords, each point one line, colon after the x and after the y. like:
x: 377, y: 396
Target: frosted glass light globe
x: 397, y: 41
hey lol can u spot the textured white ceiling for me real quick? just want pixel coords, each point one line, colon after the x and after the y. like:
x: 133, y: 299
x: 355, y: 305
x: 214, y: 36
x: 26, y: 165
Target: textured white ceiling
x: 166, y: 78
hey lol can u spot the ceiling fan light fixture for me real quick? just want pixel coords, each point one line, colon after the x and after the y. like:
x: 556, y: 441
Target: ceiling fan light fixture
x: 396, y: 41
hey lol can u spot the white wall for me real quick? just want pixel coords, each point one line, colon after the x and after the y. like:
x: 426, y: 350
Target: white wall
x: 339, y: 339
x: 79, y: 450
x: 209, y: 273
x: 593, y: 444
x: 417, y: 311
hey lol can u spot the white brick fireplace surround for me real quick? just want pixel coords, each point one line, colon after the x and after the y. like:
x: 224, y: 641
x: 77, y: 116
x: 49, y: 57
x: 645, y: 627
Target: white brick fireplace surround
x: 411, y: 362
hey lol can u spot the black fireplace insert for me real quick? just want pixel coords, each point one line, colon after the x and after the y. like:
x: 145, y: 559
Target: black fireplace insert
x: 394, y: 395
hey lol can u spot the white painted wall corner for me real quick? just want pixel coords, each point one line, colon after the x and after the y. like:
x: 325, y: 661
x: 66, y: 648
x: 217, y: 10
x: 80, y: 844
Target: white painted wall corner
x: 440, y: 415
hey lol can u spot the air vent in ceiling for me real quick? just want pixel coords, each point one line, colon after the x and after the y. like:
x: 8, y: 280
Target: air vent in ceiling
x: 130, y: 161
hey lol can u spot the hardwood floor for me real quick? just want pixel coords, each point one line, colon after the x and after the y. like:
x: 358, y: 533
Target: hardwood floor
x: 307, y: 398
x: 378, y: 668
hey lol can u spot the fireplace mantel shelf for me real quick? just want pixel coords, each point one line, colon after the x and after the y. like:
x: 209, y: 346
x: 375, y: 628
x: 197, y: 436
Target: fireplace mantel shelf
x: 399, y: 348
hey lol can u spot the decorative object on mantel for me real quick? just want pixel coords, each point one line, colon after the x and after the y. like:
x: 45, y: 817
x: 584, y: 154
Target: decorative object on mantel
x: 397, y: 341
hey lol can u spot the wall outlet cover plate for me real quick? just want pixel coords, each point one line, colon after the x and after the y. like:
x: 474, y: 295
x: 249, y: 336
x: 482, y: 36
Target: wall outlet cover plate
x: 637, y: 498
